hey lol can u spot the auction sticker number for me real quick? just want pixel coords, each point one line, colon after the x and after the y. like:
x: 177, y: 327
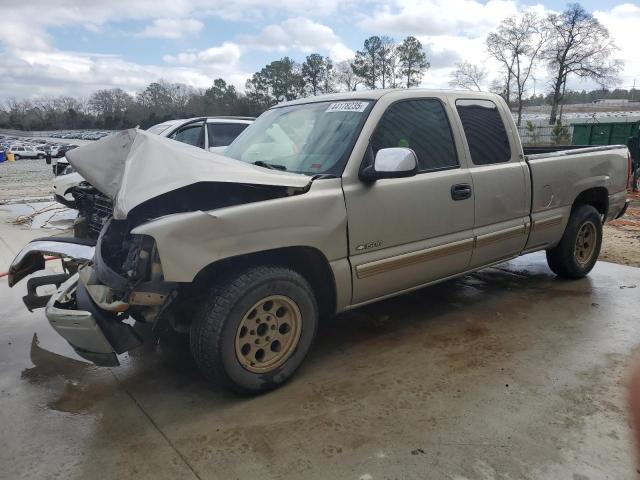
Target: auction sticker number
x: 347, y: 107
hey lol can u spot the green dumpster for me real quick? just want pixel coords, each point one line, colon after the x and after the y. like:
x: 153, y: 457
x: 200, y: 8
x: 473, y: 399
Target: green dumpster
x: 603, y: 133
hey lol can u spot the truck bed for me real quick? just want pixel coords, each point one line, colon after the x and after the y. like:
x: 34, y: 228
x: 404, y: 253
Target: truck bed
x: 559, y: 177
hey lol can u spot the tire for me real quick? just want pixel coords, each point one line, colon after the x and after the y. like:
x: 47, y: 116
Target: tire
x: 572, y: 260
x: 16, y: 157
x: 40, y: 156
x: 233, y: 360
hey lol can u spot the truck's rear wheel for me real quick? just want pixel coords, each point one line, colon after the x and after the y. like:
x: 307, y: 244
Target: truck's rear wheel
x: 579, y: 248
x: 255, y: 329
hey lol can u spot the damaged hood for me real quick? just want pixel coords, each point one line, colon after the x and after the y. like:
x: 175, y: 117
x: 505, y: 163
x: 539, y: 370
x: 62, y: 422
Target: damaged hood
x: 134, y: 166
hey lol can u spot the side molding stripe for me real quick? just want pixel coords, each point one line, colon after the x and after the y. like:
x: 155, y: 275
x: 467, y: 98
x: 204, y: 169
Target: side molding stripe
x: 412, y: 258
x: 547, y: 223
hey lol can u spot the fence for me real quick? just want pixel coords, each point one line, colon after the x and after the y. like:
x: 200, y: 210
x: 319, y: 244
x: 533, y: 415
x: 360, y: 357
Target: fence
x: 532, y: 134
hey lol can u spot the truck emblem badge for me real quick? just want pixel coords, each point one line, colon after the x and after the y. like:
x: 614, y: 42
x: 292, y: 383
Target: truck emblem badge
x: 367, y: 246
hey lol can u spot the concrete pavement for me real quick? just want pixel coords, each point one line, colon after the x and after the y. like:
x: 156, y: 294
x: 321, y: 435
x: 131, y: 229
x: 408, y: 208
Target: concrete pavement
x: 506, y: 374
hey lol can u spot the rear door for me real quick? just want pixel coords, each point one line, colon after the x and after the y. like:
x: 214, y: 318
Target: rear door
x: 406, y: 232
x: 500, y: 181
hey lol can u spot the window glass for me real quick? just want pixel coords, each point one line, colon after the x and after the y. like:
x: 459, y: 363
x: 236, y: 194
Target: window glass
x: 313, y: 138
x: 486, y: 135
x: 191, y: 134
x: 222, y: 134
x: 422, y: 126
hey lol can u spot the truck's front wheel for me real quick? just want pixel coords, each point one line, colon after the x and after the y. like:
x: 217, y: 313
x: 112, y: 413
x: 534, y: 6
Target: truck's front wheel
x: 255, y: 329
x: 579, y: 248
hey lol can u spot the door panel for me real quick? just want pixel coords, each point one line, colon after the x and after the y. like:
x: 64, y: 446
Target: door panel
x: 500, y: 182
x: 501, y: 212
x: 407, y: 232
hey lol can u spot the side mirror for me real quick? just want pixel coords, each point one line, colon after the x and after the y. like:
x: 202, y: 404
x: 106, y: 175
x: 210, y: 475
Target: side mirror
x: 391, y: 163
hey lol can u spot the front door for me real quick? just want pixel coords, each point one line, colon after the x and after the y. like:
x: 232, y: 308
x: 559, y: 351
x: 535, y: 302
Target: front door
x: 407, y: 232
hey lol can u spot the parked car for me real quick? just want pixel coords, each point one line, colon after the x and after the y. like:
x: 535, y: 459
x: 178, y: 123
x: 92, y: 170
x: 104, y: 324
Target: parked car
x: 210, y: 133
x: 22, y: 151
x: 323, y: 205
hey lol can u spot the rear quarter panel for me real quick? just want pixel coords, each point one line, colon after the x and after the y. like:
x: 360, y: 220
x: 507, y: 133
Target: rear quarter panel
x: 557, y: 180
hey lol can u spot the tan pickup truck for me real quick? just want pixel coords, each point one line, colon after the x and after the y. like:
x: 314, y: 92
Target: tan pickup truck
x: 322, y: 205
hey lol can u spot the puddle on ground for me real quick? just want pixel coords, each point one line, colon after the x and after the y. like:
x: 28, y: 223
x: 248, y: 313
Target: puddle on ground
x: 45, y: 215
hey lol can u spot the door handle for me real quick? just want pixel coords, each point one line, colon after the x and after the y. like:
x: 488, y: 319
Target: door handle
x: 461, y: 191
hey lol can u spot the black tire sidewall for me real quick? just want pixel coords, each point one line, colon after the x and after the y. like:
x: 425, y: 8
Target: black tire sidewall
x: 581, y: 215
x: 286, y: 284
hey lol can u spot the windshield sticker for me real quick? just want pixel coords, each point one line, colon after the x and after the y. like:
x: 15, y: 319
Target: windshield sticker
x: 347, y: 107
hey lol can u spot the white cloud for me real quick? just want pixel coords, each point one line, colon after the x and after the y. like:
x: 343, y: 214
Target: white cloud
x: 622, y: 22
x: 227, y: 54
x: 439, y: 17
x: 300, y: 34
x: 172, y: 28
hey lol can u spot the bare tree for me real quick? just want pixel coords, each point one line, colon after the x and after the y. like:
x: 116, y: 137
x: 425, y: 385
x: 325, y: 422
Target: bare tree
x: 345, y: 77
x: 388, y: 60
x: 516, y: 45
x: 468, y: 76
x: 578, y: 45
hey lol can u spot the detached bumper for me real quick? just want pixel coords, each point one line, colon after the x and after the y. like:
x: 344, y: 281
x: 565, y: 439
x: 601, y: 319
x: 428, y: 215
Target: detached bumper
x: 79, y: 327
x: 94, y: 333
x: 31, y: 258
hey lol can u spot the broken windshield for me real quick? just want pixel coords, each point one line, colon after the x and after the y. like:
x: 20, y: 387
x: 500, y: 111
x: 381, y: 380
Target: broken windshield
x: 313, y: 138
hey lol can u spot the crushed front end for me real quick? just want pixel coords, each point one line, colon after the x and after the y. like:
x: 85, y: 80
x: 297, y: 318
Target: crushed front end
x: 101, y: 290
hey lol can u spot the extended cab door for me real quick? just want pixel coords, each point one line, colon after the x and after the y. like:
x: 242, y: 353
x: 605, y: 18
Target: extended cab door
x: 500, y: 181
x: 407, y: 232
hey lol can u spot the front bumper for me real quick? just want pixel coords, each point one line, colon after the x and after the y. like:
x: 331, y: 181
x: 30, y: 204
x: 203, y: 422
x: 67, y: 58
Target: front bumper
x: 94, y: 333
x: 79, y: 327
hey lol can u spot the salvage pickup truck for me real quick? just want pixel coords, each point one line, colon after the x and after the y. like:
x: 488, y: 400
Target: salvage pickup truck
x: 324, y: 204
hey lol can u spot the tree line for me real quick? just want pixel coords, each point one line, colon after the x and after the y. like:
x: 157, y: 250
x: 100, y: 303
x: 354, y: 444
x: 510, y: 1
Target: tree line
x: 382, y: 63
x: 571, y: 44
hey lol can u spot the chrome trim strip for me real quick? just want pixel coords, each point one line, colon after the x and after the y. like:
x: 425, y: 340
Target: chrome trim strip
x: 547, y: 222
x: 506, y: 234
x: 407, y: 259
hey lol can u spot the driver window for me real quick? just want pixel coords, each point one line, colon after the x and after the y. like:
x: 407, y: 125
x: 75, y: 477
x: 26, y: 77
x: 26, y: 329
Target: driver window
x: 192, y: 134
x: 422, y: 126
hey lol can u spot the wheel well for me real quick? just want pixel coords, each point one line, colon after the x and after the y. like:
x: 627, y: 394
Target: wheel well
x: 306, y: 261
x: 597, y: 197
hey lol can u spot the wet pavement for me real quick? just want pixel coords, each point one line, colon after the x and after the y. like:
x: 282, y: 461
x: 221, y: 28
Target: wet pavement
x: 505, y: 374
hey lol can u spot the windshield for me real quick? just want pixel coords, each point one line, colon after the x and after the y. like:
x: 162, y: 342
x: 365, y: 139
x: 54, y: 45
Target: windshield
x: 314, y: 138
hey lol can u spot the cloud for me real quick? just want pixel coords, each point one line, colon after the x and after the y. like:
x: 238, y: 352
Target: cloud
x: 227, y: 54
x: 299, y: 33
x: 439, y: 17
x: 26, y: 73
x: 171, y: 28
x: 622, y: 22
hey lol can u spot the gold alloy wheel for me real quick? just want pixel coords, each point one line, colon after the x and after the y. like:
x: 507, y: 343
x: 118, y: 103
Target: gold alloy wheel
x: 268, y: 334
x: 585, y: 243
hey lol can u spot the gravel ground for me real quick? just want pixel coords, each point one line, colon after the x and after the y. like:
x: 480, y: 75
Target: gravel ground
x: 29, y: 179
x: 25, y: 179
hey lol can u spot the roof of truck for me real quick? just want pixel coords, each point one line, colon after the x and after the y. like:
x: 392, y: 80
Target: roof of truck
x: 379, y: 93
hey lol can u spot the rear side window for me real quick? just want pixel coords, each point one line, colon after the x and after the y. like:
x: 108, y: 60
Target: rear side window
x: 191, y: 134
x: 222, y: 134
x: 422, y: 126
x: 485, y: 132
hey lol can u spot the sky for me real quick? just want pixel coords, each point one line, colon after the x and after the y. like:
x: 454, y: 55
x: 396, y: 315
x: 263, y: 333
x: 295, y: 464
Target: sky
x: 74, y: 47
